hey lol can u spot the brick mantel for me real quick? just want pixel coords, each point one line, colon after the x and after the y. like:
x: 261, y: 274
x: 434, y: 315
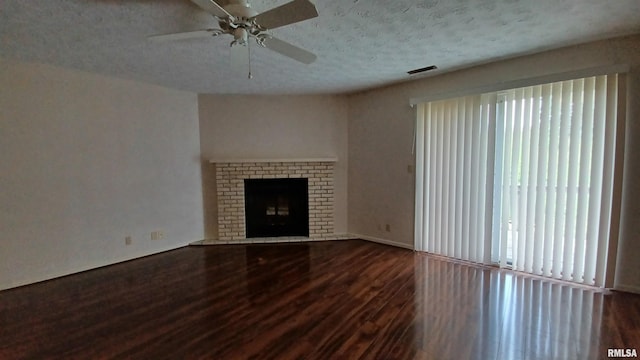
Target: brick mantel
x: 282, y: 160
x: 230, y: 176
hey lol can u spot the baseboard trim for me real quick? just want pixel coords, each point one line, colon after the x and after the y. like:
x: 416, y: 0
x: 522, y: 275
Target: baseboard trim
x: 80, y: 270
x: 382, y: 241
x: 627, y: 288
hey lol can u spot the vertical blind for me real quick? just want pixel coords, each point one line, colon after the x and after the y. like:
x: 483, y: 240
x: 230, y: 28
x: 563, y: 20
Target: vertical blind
x: 454, y: 150
x: 522, y: 178
x: 556, y: 199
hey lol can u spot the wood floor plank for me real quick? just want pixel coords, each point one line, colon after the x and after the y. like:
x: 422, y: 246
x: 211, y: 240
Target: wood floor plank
x: 320, y: 300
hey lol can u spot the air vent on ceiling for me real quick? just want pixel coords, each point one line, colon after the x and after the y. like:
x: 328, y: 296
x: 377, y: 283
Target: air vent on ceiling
x: 421, y: 70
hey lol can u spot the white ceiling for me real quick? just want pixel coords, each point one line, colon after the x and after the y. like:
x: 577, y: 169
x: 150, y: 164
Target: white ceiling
x: 360, y: 44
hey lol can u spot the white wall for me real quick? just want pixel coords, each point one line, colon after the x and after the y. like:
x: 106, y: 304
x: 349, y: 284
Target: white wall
x: 242, y: 126
x: 381, y: 130
x: 87, y: 160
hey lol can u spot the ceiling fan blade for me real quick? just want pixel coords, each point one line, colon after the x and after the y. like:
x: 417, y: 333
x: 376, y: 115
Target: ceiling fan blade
x: 213, y: 8
x: 289, y: 50
x: 239, y: 58
x: 293, y: 12
x: 186, y: 35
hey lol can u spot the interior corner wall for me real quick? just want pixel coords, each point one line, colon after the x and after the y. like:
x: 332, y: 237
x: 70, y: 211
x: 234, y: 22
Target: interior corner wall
x: 273, y: 127
x: 381, y: 125
x: 87, y: 160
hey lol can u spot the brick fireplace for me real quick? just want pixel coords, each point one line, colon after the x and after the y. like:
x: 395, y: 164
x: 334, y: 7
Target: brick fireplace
x: 230, y: 177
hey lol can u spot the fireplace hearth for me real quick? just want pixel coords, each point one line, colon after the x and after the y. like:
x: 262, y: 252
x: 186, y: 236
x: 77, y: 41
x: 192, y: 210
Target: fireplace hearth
x: 276, y: 207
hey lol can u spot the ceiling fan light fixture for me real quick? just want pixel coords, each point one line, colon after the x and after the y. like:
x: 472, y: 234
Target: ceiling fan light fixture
x: 421, y: 70
x: 240, y: 36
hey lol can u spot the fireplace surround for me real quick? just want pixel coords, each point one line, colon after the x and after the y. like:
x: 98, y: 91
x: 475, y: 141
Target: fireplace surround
x: 230, y: 190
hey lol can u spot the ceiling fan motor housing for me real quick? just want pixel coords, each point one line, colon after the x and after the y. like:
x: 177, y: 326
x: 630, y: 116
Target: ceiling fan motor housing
x: 242, y: 24
x: 241, y: 10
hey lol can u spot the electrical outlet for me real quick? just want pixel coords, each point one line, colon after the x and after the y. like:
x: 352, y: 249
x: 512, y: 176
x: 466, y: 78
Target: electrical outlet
x: 160, y: 235
x: 154, y: 235
x: 128, y: 240
x: 387, y: 227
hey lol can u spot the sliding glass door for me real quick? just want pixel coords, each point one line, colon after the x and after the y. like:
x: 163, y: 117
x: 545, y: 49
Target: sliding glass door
x: 522, y: 178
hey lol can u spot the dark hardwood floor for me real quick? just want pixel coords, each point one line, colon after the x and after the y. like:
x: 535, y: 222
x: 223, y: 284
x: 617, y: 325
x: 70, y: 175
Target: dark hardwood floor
x: 327, y: 300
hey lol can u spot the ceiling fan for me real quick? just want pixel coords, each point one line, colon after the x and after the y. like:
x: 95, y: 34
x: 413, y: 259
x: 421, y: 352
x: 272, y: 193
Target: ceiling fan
x: 242, y: 22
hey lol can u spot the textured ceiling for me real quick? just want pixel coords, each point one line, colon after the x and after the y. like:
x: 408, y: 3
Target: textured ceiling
x: 360, y: 44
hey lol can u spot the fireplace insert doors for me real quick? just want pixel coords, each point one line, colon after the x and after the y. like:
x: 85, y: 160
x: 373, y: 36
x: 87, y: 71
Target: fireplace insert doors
x: 276, y: 207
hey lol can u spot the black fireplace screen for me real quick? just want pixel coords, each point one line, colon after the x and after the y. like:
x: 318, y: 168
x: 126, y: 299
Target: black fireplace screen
x: 276, y: 207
